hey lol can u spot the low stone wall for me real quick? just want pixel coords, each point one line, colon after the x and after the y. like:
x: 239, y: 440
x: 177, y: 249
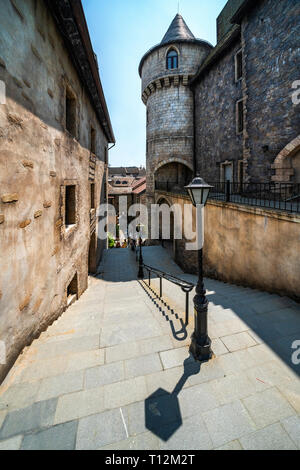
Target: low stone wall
x: 246, y: 245
x: 253, y: 247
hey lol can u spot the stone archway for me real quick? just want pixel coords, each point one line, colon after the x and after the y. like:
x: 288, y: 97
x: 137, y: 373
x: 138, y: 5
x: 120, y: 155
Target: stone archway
x: 172, y: 174
x: 287, y: 163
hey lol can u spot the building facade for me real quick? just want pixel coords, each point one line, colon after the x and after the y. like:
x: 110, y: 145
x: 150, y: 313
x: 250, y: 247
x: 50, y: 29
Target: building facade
x: 165, y: 71
x: 245, y: 114
x: 54, y: 136
x: 228, y: 112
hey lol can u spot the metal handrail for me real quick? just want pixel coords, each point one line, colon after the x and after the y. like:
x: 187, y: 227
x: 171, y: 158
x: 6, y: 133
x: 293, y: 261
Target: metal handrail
x: 185, y: 286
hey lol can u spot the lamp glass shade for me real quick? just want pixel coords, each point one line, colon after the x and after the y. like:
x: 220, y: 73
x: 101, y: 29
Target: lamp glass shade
x: 198, y: 191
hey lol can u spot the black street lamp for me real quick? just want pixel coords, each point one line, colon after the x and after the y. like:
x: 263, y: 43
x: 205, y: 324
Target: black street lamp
x: 200, y: 347
x: 141, y: 261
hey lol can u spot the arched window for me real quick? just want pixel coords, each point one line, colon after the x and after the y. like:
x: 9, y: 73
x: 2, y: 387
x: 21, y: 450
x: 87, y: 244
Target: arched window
x: 172, y: 59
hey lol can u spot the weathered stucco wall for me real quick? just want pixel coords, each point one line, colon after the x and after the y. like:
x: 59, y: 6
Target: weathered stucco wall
x: 253, y: 247
x: 39, y: 257
x: 245, y: 245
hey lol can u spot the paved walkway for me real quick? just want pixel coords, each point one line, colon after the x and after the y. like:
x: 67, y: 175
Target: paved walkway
x: 114, y: 372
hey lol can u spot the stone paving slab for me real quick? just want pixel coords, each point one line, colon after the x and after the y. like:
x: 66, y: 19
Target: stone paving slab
x: 79, y: 404
x: 145, y: 441
x: 292, y: 427
x: 142, y: 365
x: 32, y: 418
x: 114, y: 371
x: 14, y: 443
x: 18, y: 396
x: 123, y: 393
x: 233, y: 445
x: 99, y: 430
x: 228, y: 422
x: 238, y: 341
x: 85, y: 360
x: 267, y: 407
x: 106, y: 374
x: 272, y: 437
x: 60, y: 437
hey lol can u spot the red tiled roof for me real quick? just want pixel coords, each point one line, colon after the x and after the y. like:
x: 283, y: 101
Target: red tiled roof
x: 139, y: 189
x: 139, y: 182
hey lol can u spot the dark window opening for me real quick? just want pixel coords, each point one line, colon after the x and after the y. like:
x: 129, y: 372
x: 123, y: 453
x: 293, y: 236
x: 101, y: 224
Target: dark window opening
x: 93, y: 196
x: 241, y: 174
x: 239, y: 66
x: 70, y: 205
x: 240, y: 116
x: 93, y: 140
x: 172, y: 60
x: 72, y: 290
x: 70, y: 112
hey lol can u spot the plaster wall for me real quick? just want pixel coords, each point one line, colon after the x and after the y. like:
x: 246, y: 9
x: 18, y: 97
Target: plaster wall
x: 38, y: 157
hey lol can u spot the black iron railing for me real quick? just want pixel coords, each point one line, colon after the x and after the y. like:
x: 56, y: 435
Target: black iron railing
x: 281, y: 196
x: 273, y: 195
x: 170, y: 187
x: 185, y: 286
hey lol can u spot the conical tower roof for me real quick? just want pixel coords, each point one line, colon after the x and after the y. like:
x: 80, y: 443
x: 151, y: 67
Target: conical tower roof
x: 178, y: 30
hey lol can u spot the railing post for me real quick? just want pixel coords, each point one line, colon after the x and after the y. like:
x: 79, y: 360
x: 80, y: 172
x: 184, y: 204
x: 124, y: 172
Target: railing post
x: 186, y: 308
x: 227, y: 191
x: 160, y: 287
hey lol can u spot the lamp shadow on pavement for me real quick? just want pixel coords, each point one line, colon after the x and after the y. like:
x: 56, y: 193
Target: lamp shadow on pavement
x: 162, y: 410
x: 179, y: 335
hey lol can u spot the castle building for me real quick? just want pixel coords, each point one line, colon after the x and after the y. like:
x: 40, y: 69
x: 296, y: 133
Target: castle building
x: 165, y: 71
x: 230, y: 112
x: 54, y: 135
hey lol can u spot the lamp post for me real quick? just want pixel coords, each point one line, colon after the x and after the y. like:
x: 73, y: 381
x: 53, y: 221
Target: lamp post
x: 141, y: 262
x: 200, y: 347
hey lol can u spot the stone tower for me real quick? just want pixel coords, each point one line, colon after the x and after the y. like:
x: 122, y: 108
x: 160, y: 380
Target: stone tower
x: 165, y: 71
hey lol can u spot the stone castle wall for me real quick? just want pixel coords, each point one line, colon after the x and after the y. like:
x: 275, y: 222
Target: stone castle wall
x: 216, y: 135
x: 269, y: 42
x: 270, y: 35
x: 38, y: 157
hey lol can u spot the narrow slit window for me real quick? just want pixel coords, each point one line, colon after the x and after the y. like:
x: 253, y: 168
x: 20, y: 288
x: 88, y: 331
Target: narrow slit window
x: 238, y: 66
x: 70, y: 112
x: 93, y: 140
x: 240, y: 116
x: 93, y: 196
x: 70, y: 206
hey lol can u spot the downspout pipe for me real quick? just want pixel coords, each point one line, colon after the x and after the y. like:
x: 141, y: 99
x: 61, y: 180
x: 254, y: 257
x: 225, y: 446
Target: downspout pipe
x: 194, y: 131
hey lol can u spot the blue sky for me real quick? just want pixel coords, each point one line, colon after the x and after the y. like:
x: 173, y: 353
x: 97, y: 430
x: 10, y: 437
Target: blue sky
x: 121, y: 32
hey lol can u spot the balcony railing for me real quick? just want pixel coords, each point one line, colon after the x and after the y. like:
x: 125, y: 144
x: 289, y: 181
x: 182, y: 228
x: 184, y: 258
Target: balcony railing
x: 170, y: 187
x: 281, y: 196
x: 273, y: 195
